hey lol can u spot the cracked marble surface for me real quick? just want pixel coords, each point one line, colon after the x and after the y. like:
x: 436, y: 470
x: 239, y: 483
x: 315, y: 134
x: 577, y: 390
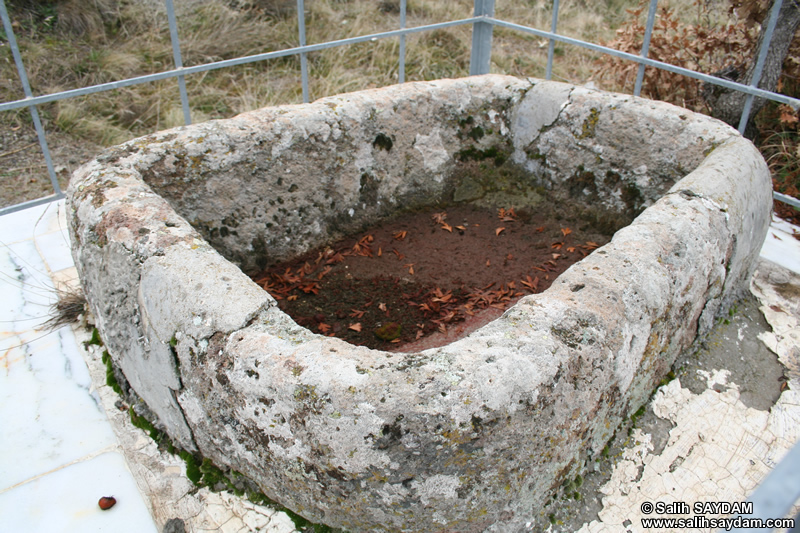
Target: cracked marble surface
x: 66, y: 443
x: 60, y: 455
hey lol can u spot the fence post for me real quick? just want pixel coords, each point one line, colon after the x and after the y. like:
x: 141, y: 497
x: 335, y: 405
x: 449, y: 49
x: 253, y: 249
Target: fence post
x: 648, y: 33
x: 762, y: 58
x: 551, y: 46
x: 26, y: 88
x: 176, y: 55
x: 401, y: 72
x: 301, y: 29
x: 481, y: 55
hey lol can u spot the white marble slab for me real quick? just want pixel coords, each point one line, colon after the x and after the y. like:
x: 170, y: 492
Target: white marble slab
x: 48, y: 412
x: 55, y: 250
x: 60, y: 454
x: 781, y: 247
x: 66, y: 501
x: 23, y: 225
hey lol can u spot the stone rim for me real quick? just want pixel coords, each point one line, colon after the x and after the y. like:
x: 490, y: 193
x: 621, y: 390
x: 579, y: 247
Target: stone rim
x: 642, y: 298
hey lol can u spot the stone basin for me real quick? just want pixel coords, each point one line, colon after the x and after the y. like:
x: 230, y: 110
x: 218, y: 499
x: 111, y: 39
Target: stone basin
x: 472, y: 436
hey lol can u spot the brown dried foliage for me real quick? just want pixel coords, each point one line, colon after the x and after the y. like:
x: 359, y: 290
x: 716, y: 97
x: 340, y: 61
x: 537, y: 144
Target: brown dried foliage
x: 705, y: 46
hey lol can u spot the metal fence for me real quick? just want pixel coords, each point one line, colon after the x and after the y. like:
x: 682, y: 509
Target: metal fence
x: 483, y: 22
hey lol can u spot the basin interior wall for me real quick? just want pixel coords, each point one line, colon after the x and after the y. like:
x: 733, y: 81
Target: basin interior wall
x: 472, y: 436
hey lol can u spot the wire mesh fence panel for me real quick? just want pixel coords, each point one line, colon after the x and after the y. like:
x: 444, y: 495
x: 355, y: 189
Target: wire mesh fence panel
x: 180, y: 70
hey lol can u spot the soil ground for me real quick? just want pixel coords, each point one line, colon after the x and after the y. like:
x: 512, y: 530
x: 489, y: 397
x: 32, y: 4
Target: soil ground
x: 23, y: 172
x: 427, y: 278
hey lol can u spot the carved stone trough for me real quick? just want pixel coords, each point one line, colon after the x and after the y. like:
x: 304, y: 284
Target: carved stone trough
x: 472, y: 436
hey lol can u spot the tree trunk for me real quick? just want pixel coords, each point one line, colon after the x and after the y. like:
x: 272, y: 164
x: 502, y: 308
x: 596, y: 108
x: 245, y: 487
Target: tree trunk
x: 727, y: 104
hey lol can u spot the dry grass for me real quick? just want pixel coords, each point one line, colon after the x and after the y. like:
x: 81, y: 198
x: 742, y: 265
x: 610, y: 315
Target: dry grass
x: 75, y: 43
x: 78, y: 43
